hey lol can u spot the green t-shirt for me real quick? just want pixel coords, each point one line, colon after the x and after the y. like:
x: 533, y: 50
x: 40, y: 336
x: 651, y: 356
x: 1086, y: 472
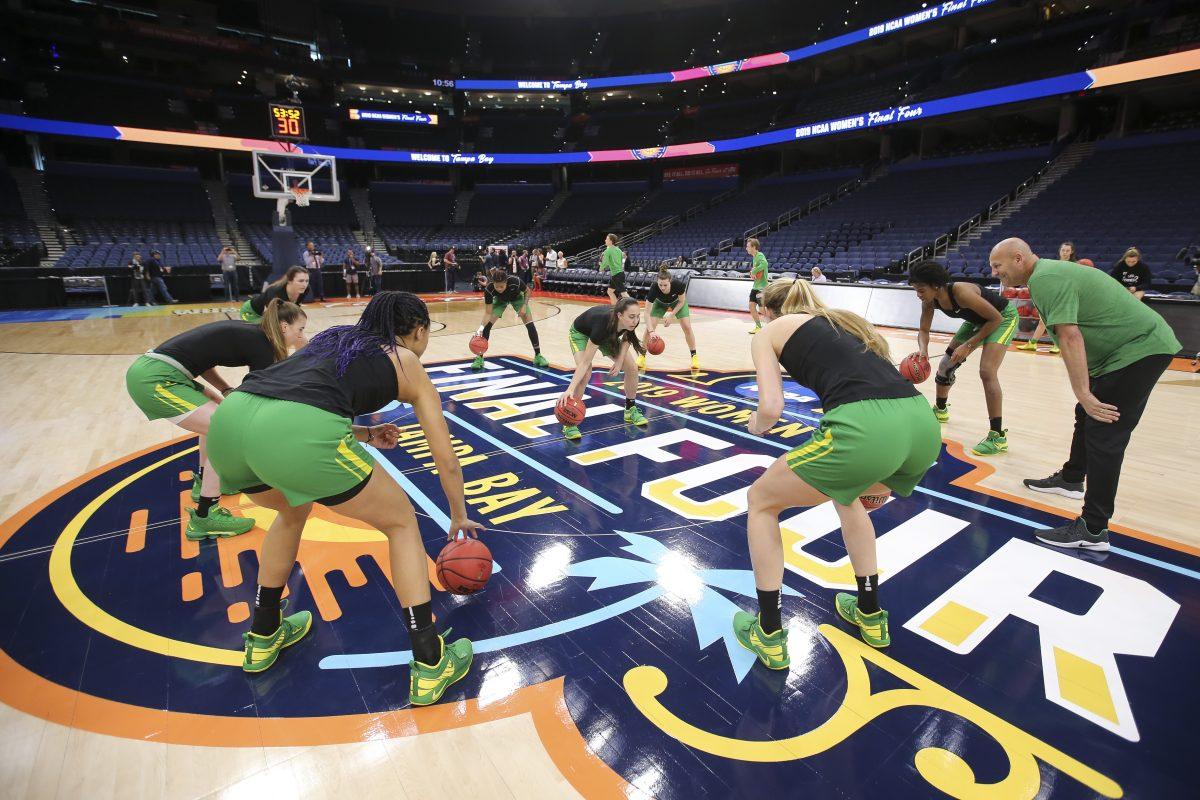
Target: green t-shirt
x: 613, y: 260
x: 1118, y: 329
x: 758, y: 270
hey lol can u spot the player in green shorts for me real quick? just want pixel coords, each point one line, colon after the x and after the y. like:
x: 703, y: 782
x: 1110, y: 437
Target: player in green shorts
x: 988, y: 320
x: 758, y: 273
x: 877, y: 434
x: 611, y: 331
x: 668, y: 302
x: 509, y: 290
x: 291, y: 288
x: 163, y: 383
x: 287, y: 436
x: 613, y: 262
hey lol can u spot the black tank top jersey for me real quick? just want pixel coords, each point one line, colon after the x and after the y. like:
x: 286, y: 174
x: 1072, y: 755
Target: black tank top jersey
x: 966, y: 314
x: 368, y: 385
x: 834, y: 365
x: 259, y: 302
x: 229, y: 343
x: 514, y: 290
x: 668, y: 299
x: 593, y: 324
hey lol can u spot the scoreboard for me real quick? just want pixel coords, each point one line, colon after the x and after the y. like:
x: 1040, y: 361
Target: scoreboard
x: 287, y: 122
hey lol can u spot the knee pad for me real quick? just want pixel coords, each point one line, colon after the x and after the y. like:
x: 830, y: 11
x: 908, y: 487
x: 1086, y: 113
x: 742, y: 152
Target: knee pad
x: 945, y: 372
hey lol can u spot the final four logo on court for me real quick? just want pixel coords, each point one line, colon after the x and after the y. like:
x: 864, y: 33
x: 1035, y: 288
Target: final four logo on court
x: 621, y: 561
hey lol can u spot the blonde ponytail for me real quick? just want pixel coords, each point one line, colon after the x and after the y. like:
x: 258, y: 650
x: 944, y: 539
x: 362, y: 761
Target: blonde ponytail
x: 275, y: 314
x: 787, y: 296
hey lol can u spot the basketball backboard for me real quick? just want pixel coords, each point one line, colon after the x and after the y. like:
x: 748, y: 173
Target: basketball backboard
x: 277, y: 174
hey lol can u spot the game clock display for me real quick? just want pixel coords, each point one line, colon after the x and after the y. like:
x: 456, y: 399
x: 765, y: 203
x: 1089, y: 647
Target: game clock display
x: 287, y: 122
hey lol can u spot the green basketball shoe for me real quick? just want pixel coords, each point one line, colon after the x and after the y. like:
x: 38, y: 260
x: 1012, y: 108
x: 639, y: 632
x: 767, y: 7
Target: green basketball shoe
x: 539, y: 360
x: 635, y: 417
x: 995, y: 443
x: 261, y: 651
x: 219, y: 524
x: 942, y: 414
x: 196, y: 488
x: 872, y: 627
x: 572, y: 432
x: 771, y: 648
x: 477, y: 364
x: 428, y: 682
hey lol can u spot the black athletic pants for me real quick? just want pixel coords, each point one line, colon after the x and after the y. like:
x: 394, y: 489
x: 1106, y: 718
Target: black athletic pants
x: 1098, y: 448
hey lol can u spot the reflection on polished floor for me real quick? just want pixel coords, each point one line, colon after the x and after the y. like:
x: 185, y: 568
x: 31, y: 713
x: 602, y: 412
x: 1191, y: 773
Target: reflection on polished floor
x: 605, y: 664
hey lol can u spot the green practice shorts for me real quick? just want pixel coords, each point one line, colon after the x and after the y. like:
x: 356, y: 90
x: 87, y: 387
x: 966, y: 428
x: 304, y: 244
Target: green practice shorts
x: 162, y: 391
x: 893, y: 442
x: 579, y: 343
x: 1002, y: 335
x: 658, y: 310
x: 303, y: 451
x: 249, y: 314
x: 499, y: 307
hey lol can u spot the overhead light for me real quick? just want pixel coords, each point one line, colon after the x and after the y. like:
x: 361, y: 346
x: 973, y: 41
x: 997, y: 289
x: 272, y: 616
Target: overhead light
x: 520, y: 97
x: 491, y: 96
x: 429, y: 94
x: 362, y: 88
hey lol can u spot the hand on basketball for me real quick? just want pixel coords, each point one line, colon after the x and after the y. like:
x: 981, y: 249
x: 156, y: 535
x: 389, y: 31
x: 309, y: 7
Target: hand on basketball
x: 385, y: 436
x: 1101, y: 412
x: 466, y: 526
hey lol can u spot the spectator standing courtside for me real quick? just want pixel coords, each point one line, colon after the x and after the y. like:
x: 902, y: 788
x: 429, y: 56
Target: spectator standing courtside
x: 1133, y: 273
x: 1114, y: 348
x: 374, y: 271
x: 350, y: 266
x: 451, y: 262
x: 552, y: 258
x: 139, y: 286
x: 227, y: 261
x: 313, y: 262
x: 155, y: 269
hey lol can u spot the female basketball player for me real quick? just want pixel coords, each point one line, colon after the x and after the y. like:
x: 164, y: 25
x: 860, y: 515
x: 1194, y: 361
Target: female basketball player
x: 988, y: 320
x: 287, y: 436
x: 163, y: 384
x: 291, y: 287
x: 613, y: 262
x: 668, y: 302
x: 612, y: 330
x: 877, y: 434
x: 509, y: 290
x: 1066, y: 252
x: 758, y: 272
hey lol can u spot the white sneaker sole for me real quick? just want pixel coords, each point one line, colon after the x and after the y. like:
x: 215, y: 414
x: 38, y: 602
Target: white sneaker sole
x: 1082, y: 545
x: 1071, y: 493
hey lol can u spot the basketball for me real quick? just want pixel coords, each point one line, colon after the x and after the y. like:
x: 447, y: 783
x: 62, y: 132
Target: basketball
x: 914, y: 367
x: 873, y: 501
x: 570, y: 411
x: 1087, y: 262
x: 464, y: 566
x: 655, y: 344
x: 478, y: 345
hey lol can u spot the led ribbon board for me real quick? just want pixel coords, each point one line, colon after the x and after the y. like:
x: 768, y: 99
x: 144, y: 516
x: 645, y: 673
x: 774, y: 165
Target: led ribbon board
x: 919, y: 17
x: 1133, y: 71
x: 404, y: 117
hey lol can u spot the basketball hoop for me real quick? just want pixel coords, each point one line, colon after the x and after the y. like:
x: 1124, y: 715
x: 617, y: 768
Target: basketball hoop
x: 300, y: 195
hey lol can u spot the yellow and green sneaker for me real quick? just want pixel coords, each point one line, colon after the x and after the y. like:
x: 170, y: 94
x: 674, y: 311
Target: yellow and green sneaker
x: 572, y: 433
x: 872, y: 627
x: 942, y: 414
x: 477, y: 364
x: 261, y: 651
x: 196, y: 488
x: 1029, y: 346
x: 635, y: 417
x: 539, y: 360
x: 219, y: 524
x: 995, y: 443
x: 428, y: 682
x: 771, y: 648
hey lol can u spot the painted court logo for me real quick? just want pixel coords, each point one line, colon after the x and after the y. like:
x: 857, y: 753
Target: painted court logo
x: 1016, y: 669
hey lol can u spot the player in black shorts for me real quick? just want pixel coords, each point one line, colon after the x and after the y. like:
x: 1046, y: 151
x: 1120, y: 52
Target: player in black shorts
x: 611, y: 330
x: 164, y: 385
x: 509, y: 290
x: 612, y: 261
x: 291, y: 287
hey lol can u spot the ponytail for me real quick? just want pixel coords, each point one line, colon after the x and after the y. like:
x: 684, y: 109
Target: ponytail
x: 614, y: 336
x: 786, y: 296
x: 664, y: 274
x: 274, y: 315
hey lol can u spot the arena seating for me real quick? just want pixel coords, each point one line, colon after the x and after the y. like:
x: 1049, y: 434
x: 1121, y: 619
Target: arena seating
x: 411, y: 205
x: 15, y: 228
x: 597, y: 202
x: 1134, y: 192
x: 676, y: 197
x: 513, y: 205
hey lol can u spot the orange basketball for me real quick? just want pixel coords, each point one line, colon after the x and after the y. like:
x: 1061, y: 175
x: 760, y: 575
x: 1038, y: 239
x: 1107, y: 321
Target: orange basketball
x: 914, y: 367
x: 873, y: 501
x: 478, y: 345
x: 1087, y: 262
x: 570, y: 411
x: 655, y: 344
x: 464, y: 566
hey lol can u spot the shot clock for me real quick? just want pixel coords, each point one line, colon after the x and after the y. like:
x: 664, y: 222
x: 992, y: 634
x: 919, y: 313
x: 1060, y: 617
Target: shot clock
x: 287, y: 122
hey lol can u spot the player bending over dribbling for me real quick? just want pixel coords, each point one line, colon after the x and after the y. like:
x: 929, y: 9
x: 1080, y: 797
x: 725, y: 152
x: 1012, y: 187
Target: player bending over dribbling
x: 612, y: 331
x: 291, y: 288
x: 286, y: 436
x: 508, y: 290
x: 668, y: 302
x: 878, y: 433
x: 163, y: 383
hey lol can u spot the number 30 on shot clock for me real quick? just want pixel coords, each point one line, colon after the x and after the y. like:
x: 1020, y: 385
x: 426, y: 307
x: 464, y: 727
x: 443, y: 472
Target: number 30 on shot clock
x: 287, y: 122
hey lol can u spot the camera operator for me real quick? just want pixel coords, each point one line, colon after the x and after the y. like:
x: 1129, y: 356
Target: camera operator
x: 313, y: 261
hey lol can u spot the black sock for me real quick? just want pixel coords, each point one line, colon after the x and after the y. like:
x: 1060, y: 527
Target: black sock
x: 205, y: 504
x: 487, y: 331
x: 630, y: 402
x: 533, y: 337
x: 941, y: 402
x: 266, y: 610
x: 424, y: 636
x: 769, y: 613
x: 995, y: 423
x: 868, y: 593
x: 693, y: 353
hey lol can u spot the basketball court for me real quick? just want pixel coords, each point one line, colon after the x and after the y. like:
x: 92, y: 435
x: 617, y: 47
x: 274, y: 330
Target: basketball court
x: 605, y: 665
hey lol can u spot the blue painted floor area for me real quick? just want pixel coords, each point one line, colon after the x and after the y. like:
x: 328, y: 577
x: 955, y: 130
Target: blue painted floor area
x: 622, y: 559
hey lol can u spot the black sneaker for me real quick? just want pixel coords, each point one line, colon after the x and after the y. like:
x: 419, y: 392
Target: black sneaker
x: 1056, y: 485
x: 1074, y: 534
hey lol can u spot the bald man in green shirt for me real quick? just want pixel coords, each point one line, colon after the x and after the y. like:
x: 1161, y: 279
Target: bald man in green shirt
x: 1115, y: 348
